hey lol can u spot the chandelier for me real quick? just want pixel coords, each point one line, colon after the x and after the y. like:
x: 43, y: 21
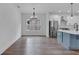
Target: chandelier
x: 33, y: 23
x: 33, y: 17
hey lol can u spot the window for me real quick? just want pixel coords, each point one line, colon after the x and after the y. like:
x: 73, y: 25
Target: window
x: 33, y: 24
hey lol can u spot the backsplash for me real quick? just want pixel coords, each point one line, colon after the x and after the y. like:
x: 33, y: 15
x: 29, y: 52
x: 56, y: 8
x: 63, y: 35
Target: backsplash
x: 67, y: 23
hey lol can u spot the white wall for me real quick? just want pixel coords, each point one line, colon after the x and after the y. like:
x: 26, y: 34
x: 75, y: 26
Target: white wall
x: 47, y: 24
x: 42, y: 18
x: 10, y: 25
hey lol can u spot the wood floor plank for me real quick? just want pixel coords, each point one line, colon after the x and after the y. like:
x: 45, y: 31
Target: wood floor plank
x: 38, y: 46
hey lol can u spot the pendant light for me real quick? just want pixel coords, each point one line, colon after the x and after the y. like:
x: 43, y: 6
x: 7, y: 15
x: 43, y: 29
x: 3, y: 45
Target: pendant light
x: 72, y: 13
x: 33, y: 23
x: 33, y: 15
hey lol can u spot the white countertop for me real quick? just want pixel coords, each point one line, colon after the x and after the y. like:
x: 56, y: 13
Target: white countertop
x: 70, y: 31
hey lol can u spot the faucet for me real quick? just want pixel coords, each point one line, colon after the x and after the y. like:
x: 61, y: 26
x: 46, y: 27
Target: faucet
x: 76, y: 26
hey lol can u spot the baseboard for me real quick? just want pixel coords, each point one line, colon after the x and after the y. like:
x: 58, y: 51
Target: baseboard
x: 8, y: 45
x: 33, y: 35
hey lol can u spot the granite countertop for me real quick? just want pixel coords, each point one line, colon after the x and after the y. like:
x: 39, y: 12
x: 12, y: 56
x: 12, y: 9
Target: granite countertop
x: 70, y: 31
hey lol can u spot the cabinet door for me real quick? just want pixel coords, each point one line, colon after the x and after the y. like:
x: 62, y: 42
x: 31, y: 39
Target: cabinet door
x: 74, y: 42
x: 59, y: 37
x: 66, y: 40
x: 77, y: 42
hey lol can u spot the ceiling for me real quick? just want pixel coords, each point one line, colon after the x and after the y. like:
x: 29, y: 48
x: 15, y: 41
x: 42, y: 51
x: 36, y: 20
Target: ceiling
x: 48, y: 7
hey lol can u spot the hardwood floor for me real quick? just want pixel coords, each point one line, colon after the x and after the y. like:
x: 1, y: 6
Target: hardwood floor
x: 37, y: 46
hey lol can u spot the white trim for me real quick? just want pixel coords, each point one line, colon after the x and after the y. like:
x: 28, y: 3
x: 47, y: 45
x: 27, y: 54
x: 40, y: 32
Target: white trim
x: 8, y: 45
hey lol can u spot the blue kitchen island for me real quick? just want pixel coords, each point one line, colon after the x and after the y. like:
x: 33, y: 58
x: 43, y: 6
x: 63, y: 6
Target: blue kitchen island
x: 68, y: 39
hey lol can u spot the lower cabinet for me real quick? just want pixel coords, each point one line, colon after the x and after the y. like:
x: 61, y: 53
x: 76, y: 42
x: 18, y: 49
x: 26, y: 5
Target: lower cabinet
x: 68, y: 41
x: 74, y: 43
x: 59, y: 37
x: 63, y: 39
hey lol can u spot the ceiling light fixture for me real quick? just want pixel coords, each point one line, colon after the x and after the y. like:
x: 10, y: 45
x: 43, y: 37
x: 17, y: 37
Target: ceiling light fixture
x: 72, y: 13
x: 33, y: 17
x: 33, y: 23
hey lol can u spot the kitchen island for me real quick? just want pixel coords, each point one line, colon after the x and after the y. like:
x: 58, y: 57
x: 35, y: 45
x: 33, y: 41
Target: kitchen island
x: 69, y: 39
